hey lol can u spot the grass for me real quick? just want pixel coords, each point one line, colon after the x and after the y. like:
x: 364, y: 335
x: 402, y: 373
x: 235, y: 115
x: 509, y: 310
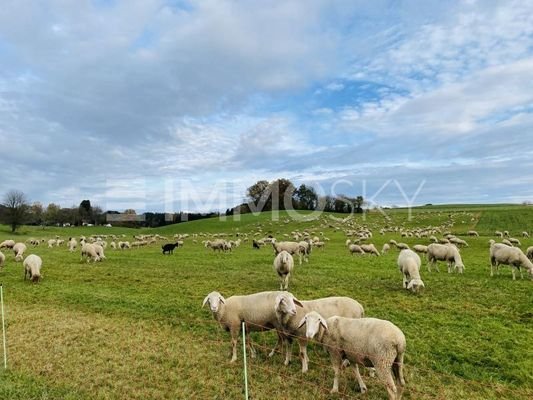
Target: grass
x: 132, y: 327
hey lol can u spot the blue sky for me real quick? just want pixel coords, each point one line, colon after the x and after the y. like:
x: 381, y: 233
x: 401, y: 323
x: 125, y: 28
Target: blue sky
x: 181, y: 105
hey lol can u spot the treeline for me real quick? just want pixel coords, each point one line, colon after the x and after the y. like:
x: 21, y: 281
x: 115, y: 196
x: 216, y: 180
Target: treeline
x: 282, y: 194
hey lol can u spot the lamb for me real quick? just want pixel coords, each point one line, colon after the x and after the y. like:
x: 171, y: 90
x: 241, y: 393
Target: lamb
x: 283, y: 265
x: 409, y: 265
x: 472, y: 233
x: 355, y: 248
x: 289, y: 317
x: 256, y: 310
x: 19, y: 249
x: 370, y: 248
x: 444, y: 252
x: 2, y: 260
x: 89, y: 251
x: 512, y: 256
x: 8, y: 244
x: 385, y: 248
x: 72, y: 244
x: 169, y: 248
x: 32, y: 267
x: 365, y: 342
x: 420, y: 248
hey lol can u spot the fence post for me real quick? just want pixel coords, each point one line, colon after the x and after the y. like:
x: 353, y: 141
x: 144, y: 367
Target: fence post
x: 244, y: 358
x: 3, y: 324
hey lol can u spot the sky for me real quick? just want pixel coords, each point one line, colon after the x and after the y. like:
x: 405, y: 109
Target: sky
x: 171, y: 105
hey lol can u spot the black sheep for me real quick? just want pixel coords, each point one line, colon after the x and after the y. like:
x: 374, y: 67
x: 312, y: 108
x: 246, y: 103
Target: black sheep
x: 169, y: 248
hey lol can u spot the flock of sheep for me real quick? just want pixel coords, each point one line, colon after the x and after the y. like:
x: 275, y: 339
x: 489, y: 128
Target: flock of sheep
x: 339, y: 323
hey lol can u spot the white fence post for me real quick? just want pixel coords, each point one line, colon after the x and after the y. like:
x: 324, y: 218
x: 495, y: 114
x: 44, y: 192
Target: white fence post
x: 245, y: 365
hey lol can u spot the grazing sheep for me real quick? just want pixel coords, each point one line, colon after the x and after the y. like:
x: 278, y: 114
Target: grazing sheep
x: 458, y: 242
x: 506, y: 233
x: 355, y: 248
x: 32, y: 267
x: 256, y: 310
x: 72, y: 244
x: 289, y: 317
x: 365, y: 342
x: 370, y: 248
x: 499, y: 234
x: 512, y: 256
x: 472, y: 233
x: 8, y: 244
x: 402, y: 246
x: 2, y: 259
x: 19, y: 249
x: 283, y: 265
x: 515, y: 241
x: 89, y: 252
x: 420, y: 248
x: 99, y: 251
x: 169, y: 248
x: 255, y: 244
x: 124, y: 245
x: 409, y: 265
x: 507, y: 242
x: 525, y: 234
x: 385, y: 248
x: 113, y: 245
x: 529, y: 253
x: 433, y: 239
x: 51, y: 243
x: 444, y: 252
x: 306, y: 247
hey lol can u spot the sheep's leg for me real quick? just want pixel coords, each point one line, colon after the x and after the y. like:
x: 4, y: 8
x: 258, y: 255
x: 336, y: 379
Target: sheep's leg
x: 360, y: 381
x: 234, y: 336
x: 250, y: 344
x: 397, y: 370
x: 405, y: 281
x: 336, y: 363
x: 277, y: 346
x: 513, y: 270
x: 383, y: 371
x: 302, y: 343
x: 288, y: 351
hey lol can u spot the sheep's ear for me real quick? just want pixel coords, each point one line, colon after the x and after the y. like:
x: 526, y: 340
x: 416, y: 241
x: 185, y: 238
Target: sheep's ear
x: 323, y: 323
x: 298, y: 302
x: 279, y: 300
x: 222, y: 299
x: 205, y: 300
x: 302, y: 322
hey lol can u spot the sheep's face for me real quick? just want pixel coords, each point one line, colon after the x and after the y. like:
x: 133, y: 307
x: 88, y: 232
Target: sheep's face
x: 214, y: 299
x: 415, y: 286
x: 312, y: 322
x: 286, y: 304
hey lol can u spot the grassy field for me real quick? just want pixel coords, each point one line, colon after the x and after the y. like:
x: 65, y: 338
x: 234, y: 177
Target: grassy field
x: 132, y: 327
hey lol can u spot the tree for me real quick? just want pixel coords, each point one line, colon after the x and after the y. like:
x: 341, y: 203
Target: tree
x: 36, y: 212
x: 16, y: 208
x: 85, y: 210
x: 282, y: 193
x: 259, y: 195
x: 51, y: 214
x: 306, y: 198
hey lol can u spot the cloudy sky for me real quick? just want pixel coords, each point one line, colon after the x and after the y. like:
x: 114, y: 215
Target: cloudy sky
x: 176, y: 104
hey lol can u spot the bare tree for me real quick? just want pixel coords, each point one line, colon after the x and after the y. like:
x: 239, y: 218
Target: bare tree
x: 16, y: 208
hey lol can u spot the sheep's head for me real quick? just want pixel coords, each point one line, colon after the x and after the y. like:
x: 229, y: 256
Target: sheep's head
x: 286, y: 303
x: 214, y: 299
x: 416, y: 285
x: 312, y: 322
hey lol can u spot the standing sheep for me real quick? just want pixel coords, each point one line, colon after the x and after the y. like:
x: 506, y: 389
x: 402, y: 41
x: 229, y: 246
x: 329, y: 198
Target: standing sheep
x: 472, y: 233
x: 291, y: 247
x: 365, y: 342
x: 99, y: 251
x: 283, y: 265
x: 355, y: 248
x: 289, y: 317
x: 8, y: 244
x: 512, y: 256
x: 32, y: 267
x: 2, y: 260
x: 370, y: 248
x: 72, y: 244
x: 385, y: 248
x: 409, y: 265
x: 256, y: 310
x: 89, y: 252
x: 444, y: 252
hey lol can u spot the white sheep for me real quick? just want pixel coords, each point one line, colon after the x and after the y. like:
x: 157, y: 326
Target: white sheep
x: 409, y: 265
x: 420, y: 248
x: 292, y: 248
x: 72, y: 244
x: 32, y: 267
x: 402, y: 246
x: 365, y: 342
x: 113, y: 245
x: 512, y: 256
x: 19, y: 249
x: 445, y: 252
x: 529, y: 253
x: 370, y: 248
x: 289, y: 317
x: 2, y: 259
x: 507, y: 242
x: 306, y: 248
x: 385, y: 248
x: 51, y: 243
x: 515, y: 241
x: 458, y: 242
x: 525, y: 234
x: 256, y: 310
x: 99, y: 251
x: 355, y: 248
x: 89, y: 252
x: 499, y: 234
x: 472, y: 233
x: 283, y: 265
x: 8, y: 244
